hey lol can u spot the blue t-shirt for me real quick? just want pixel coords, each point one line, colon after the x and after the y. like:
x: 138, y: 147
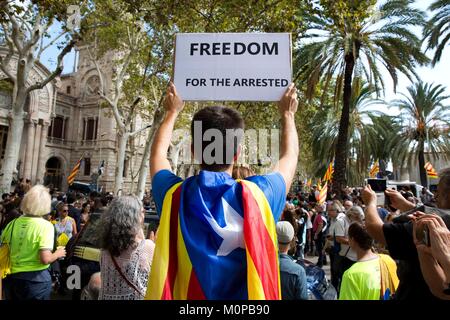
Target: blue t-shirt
x: 273, y: 186
x: 211, y: 222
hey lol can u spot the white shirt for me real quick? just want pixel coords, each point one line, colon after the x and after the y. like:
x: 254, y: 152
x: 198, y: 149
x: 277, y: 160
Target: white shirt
x: 341, y: 226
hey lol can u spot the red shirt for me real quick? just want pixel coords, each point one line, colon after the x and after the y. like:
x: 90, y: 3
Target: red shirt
x: 319, y: 218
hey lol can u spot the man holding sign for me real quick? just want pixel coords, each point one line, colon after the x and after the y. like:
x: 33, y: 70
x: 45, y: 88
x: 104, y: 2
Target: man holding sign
x: 232, y: 66
x: 217, y: 236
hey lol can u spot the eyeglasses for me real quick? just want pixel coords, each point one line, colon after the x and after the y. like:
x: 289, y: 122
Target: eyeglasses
x: 65, y: 210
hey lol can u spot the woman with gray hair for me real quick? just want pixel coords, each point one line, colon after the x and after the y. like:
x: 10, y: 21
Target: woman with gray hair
x: 126, y: 255
x: 355, y: 214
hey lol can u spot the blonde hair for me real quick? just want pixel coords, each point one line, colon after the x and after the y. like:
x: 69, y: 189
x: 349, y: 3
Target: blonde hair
x: 36, y: 202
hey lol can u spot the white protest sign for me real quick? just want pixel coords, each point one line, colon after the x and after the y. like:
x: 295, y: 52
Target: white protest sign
x: 232, y: 66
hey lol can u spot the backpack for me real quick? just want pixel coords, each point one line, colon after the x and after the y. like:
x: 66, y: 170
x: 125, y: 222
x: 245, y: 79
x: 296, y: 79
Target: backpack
x: 317, y: 283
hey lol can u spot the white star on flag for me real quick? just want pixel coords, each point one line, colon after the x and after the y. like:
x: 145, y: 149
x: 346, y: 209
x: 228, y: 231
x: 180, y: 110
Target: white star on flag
x: 232, y: 234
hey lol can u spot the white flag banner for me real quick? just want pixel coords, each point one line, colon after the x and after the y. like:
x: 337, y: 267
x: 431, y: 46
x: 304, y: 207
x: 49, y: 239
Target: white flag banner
x: 232, y: 66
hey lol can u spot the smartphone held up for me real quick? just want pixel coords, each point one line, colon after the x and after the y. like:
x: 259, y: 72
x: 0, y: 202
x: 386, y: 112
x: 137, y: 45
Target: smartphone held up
x: 378, y: 186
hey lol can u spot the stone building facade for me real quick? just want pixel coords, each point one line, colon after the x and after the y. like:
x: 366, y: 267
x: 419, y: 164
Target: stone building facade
x: 66, y: 121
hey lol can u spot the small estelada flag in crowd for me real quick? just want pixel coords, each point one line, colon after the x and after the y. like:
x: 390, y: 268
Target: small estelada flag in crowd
x: 309, y: 183
x: 72, y: 175
x: 374, y: 170
x: 329, y: 173
x: 321, y: 197
x: 431, y: 173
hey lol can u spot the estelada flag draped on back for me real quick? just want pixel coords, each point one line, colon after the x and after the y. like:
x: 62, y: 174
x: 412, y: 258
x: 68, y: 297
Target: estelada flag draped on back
x: 190, y: 262
x: 431, y: 173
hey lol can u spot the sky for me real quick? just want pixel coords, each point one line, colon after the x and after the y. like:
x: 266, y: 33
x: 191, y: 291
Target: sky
x: 440, y: 74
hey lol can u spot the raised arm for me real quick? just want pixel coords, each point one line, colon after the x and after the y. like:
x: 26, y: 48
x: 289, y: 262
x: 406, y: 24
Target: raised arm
x: 287, y: 164
x: 433, y: 274
x: 434, y: 259
x: 398, y: 201
x: 373, y: 222
x: 161, y: 142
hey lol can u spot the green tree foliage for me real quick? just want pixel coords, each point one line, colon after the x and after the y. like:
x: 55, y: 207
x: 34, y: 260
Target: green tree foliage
x: 355, y: 38
x: 424, y: 124
x: 25, y: 34
x: 364, y: 130
x: 437, y: 29
x: 231, y: 16
x: 227, y: 16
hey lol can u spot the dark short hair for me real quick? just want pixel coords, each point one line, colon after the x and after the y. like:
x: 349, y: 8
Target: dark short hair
x: 71, y: 198
x: 222, y: 119
x: 241, y: 172
x: 94, y: 194
x: 359, y: 234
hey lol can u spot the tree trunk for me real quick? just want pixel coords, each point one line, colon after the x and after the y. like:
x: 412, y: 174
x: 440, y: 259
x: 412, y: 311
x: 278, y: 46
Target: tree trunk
x: 122, y: 148
x: 382, y: 164
x: 341, y: 152
x: 145, y: 163
x: 423, y: 172
x: 175, y: 154
x: 13, y: 144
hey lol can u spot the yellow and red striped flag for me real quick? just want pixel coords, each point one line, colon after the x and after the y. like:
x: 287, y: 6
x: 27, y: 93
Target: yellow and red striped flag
x: 321, y: 197
x: 374, y: 170
x: 431, y: 173
x: 74, y: 172
x: 329, y: 173
x: 309, y: 183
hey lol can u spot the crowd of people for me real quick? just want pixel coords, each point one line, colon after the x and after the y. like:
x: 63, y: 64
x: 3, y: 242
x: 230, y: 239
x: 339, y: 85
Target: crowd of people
x: 43, y: 228
x: 227, y: 233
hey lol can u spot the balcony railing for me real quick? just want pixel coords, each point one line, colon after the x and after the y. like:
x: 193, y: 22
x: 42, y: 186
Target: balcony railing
x: 60, y: 142
x: 85, y: 143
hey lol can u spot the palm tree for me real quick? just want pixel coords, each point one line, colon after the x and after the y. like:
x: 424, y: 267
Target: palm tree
x: 365, y: 134
x: 424, y: 121
x: 437, y: 29
x: 358, y: 40
x: 386, y: 130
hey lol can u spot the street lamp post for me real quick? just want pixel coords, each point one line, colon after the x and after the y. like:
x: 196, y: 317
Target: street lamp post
x: 100, y: 159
